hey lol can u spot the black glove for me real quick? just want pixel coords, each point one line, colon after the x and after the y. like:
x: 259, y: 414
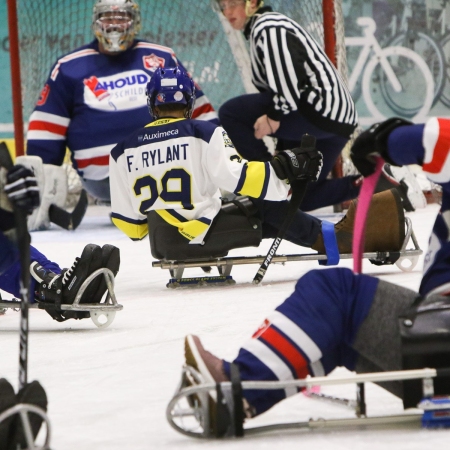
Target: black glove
x: 298, y: 164
x: 373, y: 142
x: 22, y: 189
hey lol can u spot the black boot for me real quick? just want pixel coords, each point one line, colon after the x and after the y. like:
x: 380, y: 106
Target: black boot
x: 111, y: 261
x: 31, y: 394
x: 7, y: 400
x: 54, y: 289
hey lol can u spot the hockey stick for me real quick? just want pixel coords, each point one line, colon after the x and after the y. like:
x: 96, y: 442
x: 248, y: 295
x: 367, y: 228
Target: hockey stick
x: 67, y: 220
x: 23, y: 243
x: 298, y: 192
x: 362, y: 209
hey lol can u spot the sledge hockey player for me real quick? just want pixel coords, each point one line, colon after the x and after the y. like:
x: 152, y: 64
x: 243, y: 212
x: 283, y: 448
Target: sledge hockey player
x: 49, y: 284
x: 176, y: 165
x: 300, y: 92
x: 337, y: 318
x: 95, y: 96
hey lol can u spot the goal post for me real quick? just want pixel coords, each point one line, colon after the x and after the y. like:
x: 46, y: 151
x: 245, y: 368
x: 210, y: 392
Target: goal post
x: 218, y: 59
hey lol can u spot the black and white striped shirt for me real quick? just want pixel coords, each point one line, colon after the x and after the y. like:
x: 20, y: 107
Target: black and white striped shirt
x: 287, y: 61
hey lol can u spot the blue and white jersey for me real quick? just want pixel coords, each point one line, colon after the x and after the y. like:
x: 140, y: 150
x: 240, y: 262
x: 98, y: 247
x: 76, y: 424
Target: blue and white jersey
x: 91, y: 101
x: 176, y: 167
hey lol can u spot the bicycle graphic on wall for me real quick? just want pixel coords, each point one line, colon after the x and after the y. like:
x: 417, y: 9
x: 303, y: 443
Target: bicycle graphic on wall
x: 393, y: 80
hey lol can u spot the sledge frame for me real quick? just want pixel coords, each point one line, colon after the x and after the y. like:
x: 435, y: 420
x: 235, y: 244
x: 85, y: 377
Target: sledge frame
x: 102, y: 314
x: 203, y: 390
x: 225, y: 264
x: 23, y: 409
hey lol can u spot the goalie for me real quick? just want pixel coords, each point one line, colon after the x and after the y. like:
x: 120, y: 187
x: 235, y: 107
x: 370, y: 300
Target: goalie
x: 49, y: 283
x: 336, y: 318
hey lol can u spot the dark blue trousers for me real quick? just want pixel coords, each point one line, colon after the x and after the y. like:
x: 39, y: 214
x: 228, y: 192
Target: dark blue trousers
x: 319, y: 323
x: 238, y: 116
x: 10, y: 276
x: 302, y: 231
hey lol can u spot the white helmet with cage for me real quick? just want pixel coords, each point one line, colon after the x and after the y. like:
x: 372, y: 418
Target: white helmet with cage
x: 115, y: 23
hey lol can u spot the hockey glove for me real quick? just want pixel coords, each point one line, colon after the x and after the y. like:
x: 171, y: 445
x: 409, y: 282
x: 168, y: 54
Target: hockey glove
x: 298, y: 164
x: 373, y: 142
x: 22, y: 189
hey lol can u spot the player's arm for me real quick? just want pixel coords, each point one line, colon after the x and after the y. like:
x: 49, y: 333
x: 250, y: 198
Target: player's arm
x: 400, y: 142
x: 48, y: 124
x: 123, y: 215
x: 268, y: 180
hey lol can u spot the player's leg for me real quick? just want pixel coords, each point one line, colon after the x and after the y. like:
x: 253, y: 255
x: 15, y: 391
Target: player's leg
x: 305, y: 335
x: 304, y: 229
x: 385, y: 230
x: 238, y: 115
x: 329, y: 318
x: 52, y: 285
x: 10, y: 278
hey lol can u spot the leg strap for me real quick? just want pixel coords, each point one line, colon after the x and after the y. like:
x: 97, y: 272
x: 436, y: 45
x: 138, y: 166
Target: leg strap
x: 330, y: 243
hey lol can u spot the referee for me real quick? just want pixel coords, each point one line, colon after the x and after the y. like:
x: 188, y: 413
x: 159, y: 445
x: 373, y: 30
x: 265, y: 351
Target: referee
x: 300, y: 91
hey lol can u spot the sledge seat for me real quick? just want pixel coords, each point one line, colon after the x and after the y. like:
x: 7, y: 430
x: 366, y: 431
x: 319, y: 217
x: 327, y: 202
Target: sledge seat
x: 234, y: 227
x: 425, y: 334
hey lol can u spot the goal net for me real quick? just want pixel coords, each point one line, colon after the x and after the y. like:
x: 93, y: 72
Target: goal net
x: 215, y: 55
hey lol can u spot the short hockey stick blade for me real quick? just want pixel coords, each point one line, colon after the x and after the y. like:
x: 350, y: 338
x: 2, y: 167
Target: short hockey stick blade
x: 67, y: 220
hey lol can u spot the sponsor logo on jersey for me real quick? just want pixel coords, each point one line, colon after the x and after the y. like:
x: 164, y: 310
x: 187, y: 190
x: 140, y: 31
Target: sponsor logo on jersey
x: 96, y: 88
x: 161, y: 98
x: 157, y: 135
x: 119, y: 92
x: 43, y: 96
x: 152, y: 62
x: 263, y: 327
x: 227, y: 140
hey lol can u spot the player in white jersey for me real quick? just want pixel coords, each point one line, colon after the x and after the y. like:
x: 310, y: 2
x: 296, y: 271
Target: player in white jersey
x: 175, y: 167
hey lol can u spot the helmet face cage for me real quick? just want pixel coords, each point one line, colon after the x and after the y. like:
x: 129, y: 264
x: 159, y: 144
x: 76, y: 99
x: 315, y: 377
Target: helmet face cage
x: 115, y: 23
x: 170, y: 86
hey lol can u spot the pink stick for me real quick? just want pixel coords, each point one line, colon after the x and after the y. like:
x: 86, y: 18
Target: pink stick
x: 362, y: 208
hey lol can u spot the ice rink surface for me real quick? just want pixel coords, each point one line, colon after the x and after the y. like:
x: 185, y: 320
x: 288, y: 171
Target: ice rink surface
x: 109, y: 388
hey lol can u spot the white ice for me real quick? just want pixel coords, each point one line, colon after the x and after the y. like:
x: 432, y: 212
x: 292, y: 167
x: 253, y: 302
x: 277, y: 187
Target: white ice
x: 108, y: 388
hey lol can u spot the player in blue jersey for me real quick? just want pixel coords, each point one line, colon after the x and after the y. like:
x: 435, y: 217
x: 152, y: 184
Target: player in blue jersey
x: 336, y: 318
x: 95, y: 96
x: 176, y: 165
x: 49, y: 283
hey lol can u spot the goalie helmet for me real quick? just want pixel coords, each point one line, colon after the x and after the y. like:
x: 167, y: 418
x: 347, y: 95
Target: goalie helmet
x: 115, y: 23
x: 170, y: 86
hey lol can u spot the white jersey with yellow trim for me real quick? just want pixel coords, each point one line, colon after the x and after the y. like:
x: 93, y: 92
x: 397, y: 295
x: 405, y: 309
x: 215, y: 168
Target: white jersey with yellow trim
x: 177, y: 167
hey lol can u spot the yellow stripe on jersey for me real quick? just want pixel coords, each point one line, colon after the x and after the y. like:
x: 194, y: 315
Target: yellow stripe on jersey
x: 163, y: 122
x: 190, y: 229
x: 132, y: 230
x: 254, y: 179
